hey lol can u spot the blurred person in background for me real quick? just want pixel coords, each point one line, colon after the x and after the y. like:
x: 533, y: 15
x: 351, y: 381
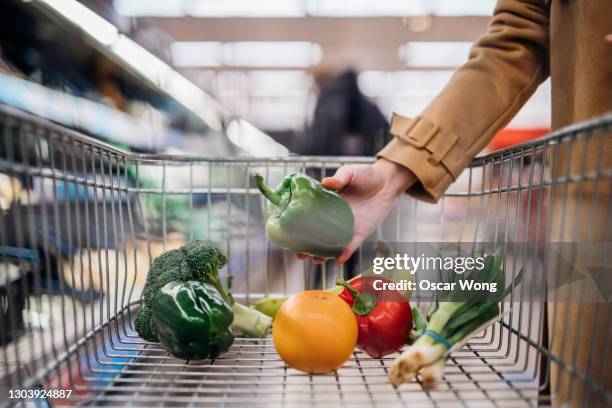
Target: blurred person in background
x: 345, y: 122
x: 527, y: 41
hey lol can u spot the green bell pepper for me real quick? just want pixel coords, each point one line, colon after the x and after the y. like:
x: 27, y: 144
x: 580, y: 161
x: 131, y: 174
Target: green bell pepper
x: 192, y: 320
x: 303, y: 216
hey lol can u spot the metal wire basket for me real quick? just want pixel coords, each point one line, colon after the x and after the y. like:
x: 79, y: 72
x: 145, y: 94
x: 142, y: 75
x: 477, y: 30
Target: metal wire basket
x: 82, y: 221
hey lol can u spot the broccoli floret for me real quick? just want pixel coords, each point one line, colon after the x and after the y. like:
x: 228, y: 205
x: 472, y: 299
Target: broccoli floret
x: 195, y: 261
x: 166, y: 268
x: 205, y: 260
x: 143, y: 325
x: 204, y: 256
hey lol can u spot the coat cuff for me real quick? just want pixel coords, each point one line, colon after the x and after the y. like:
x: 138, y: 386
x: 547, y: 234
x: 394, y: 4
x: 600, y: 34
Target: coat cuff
x: 434, y: 155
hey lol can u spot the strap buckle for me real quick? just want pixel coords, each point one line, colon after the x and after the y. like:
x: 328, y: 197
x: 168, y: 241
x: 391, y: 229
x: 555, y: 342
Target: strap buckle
x: 417, y: 132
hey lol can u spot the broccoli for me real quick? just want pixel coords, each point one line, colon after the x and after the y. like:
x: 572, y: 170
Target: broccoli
x: 143, y: 325
x: 195, y: 261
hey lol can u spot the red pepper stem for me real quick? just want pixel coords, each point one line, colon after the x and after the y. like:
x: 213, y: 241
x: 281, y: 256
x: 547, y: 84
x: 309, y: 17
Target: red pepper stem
x: 340, y: 281
x: 267, y: 191
x: 364, y: 302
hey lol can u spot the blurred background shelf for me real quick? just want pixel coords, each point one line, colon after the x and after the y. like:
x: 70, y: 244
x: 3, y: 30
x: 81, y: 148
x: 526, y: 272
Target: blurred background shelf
x: 61, y: 61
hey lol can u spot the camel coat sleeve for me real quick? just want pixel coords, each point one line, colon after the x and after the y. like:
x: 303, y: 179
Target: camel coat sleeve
x: 505, y: 67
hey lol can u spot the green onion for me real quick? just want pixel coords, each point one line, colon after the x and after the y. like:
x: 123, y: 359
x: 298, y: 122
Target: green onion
x: 419, y: 323
x: 453, y: 320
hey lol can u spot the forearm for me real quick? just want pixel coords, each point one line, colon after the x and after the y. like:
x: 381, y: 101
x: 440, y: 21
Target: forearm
x: 505, y: 67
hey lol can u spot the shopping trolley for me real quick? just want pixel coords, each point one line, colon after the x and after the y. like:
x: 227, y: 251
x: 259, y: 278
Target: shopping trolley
x: 82, y: 221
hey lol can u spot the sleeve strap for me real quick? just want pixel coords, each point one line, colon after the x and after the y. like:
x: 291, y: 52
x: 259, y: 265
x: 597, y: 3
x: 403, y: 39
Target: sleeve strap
x: 442, y: 146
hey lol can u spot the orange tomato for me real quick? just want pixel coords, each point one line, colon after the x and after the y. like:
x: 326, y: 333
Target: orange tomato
x: 315, y: 331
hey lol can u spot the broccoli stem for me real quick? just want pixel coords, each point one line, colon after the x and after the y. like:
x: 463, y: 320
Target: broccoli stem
x: 250, y: 322
x: 225, y: 293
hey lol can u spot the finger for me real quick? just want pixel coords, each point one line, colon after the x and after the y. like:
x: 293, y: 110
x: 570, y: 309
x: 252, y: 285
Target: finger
x: 301, y: 257
x: 333, y: 183
x: 318, y: 261
x: 609, y: 39
x: 340, y: 180
x: 349, y: 249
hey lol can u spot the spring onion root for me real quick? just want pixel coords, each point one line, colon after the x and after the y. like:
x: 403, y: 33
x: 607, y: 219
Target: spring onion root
x: 431, y: 375
x: 408, y: 364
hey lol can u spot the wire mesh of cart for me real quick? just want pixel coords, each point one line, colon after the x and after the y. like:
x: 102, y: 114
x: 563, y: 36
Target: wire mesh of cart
x: 82, y: 221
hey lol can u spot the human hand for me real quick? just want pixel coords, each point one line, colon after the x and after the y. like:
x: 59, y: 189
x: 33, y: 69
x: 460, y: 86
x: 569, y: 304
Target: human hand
x: 370, y: 190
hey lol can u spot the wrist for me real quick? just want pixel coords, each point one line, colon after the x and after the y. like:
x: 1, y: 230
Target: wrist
x: 397, y: 178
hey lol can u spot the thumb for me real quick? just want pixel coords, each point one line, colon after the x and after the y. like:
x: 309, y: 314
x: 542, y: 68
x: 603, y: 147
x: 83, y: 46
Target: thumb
x: 340, y: 180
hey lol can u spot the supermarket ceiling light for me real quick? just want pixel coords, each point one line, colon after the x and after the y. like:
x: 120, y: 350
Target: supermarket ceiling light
x: 197, y: 53
x: 272, y: 54
x: 399, y: 8
x: 246, y: 8
x: 139, y: 8
x: 246, y: 54
x: 412, y: 83
x: 279, y: 81
x: 463, y: 7
x: 252, y: 140
x: 366, y: 8
x: 210, y: 8
x: 434, y: 53
x: 302, y: 8
x: 96, y: 26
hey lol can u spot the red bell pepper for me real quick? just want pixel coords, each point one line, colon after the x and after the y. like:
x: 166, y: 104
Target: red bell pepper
x: 384, y: 318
